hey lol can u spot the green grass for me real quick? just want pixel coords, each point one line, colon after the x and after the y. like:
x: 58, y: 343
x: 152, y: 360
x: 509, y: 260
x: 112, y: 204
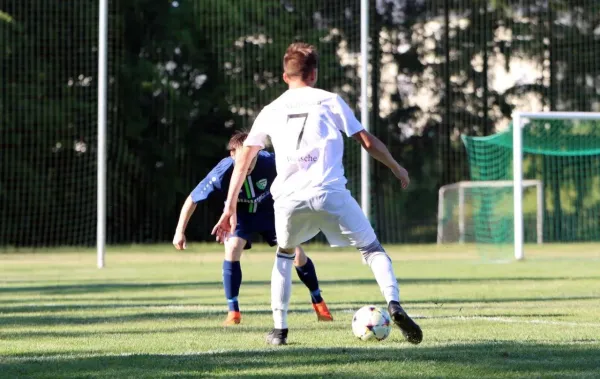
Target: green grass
x: 154, y: 312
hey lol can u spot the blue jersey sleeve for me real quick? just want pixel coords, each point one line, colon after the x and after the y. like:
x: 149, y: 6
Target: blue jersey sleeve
x: 216, y: 180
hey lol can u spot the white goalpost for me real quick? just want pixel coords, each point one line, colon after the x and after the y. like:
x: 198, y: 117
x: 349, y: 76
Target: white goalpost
x: 560, y: 150
x: 365, y: 168
x: 461, y: 187
x: 102, y: 100
x: 519, y: 120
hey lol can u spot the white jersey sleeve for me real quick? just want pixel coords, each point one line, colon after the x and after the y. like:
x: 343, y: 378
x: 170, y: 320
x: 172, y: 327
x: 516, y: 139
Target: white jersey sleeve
x: 259, y: 133
x: 344, y: 117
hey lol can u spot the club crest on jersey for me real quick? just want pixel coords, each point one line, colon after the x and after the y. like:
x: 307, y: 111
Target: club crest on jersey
x: 262, y: 184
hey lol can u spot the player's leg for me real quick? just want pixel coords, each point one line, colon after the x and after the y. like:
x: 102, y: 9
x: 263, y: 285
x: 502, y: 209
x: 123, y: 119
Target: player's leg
x: 308, y: 275
x: 281, y: 291
x: 232, y: 278
x: 292, y: 229
x: 348, y: 225
x: 281, y: 284
x: 381, y: 265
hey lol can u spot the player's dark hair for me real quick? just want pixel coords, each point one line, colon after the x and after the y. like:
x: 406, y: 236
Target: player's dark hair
x: 237, y: 140
x: 300, y: 60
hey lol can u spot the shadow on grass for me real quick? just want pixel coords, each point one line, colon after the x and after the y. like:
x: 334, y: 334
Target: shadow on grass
x: 219, y: 308
x: 75, y: 298
x: 35, y: 308
x: 216, y: 330
x: 48, y: 320
x: 166, y: 314
x: 49, y: 314
x: 201, y: 317
x: 484, y: 360
x: 67, y: 289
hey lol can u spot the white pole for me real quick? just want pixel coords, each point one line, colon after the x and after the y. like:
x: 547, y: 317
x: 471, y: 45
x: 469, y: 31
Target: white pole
x: 441, y: 215
x: 518, y: 185
x: 102, y: 92
x: 540, y: 213
x: 518, y: 170
x: 461, y: 214
x: 365, y: 169
x: 561, y: 115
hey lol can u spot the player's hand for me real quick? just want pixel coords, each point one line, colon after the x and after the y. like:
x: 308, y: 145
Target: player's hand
x: 402, y: 174
x: 225, y: 226
x: 179, y: 240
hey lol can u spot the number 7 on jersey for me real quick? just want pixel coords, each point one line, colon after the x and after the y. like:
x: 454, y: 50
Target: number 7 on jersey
x: 298, y: 119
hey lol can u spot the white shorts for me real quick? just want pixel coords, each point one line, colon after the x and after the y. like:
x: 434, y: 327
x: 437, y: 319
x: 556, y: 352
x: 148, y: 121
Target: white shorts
x: 336, y: 214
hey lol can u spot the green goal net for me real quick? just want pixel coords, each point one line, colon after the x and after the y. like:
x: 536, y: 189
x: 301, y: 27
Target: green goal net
x: 560, y: 155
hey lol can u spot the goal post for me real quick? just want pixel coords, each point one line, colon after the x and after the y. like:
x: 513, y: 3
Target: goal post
x: 102, y: 121
x: 558, y: 153
x: 462, y: 187
x: 519, y: 121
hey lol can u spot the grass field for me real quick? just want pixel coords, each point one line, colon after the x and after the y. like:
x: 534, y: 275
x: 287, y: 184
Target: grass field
x: 154, y: 312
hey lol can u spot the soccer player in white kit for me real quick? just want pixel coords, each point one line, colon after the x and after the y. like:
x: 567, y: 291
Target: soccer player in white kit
x: 306, y: 127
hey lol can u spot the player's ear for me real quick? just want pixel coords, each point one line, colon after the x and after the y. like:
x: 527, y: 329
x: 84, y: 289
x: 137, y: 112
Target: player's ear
x: 286, y: 78
x: 314, y: 74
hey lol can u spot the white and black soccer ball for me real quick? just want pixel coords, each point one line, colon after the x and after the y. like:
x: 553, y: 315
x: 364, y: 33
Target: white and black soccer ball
x: 371, y: 322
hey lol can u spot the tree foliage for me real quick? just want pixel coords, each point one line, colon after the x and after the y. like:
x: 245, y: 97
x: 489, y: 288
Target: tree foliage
x: 184, y: 74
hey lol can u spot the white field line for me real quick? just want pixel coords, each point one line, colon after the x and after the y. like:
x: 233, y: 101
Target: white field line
x: 509, y: 320
x: 506, y: 320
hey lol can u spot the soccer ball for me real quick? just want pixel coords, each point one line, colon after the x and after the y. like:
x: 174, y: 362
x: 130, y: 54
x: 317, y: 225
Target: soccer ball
x: 371, y: 322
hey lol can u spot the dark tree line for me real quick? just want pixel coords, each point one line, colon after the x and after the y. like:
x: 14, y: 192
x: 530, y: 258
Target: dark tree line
x: 185, y: 74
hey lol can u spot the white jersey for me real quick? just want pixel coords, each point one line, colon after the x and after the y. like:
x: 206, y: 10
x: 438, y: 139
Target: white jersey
x: 305, y: 126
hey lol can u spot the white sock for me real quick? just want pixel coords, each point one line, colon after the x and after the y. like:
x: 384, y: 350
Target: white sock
x: 381, y: 265
x: 281, y: 288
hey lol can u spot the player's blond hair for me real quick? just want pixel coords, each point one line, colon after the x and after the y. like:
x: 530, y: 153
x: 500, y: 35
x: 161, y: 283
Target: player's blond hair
x: 300, y: 60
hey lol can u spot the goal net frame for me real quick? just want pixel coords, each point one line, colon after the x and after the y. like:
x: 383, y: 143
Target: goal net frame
x: 461, y: 186
x: 519, y: 121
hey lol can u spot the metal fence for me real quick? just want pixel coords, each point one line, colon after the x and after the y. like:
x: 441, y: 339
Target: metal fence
x: 183, y: 74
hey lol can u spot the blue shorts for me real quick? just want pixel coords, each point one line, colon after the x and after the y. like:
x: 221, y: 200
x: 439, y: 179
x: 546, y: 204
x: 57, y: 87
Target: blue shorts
x: 250, y: 224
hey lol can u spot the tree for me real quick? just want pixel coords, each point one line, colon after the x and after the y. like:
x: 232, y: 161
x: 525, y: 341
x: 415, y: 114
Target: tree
x: 47, y: 111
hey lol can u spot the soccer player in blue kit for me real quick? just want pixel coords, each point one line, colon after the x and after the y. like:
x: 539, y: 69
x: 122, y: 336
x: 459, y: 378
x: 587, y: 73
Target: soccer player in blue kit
x: 255, y: 216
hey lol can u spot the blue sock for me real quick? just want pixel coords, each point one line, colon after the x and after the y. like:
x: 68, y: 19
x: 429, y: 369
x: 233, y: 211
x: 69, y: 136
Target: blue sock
x: 308, y: 276
x: 232, y: 280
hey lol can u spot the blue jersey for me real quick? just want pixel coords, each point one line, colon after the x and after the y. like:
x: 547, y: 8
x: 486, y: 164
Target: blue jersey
x: 255, y: 195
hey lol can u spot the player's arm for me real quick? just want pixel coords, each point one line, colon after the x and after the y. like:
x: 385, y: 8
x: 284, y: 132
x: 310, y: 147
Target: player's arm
x: 252, y: 145
x: 240, y: 170
x: 228, y: 220
x: 348, y: 123
x: 379, y: 151
x: 187, y: 210
x: 207, y: 186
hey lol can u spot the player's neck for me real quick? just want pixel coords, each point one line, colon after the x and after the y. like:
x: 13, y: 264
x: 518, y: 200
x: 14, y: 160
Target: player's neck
x: 297, y: 84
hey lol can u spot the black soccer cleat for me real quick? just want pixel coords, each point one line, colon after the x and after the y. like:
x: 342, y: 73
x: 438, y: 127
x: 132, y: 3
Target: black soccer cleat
x: 410, y: 330
x: 277, y: 337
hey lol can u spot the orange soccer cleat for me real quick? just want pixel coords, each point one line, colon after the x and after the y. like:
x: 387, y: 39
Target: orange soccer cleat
x: 322, y: 312
x: 233, y: 318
